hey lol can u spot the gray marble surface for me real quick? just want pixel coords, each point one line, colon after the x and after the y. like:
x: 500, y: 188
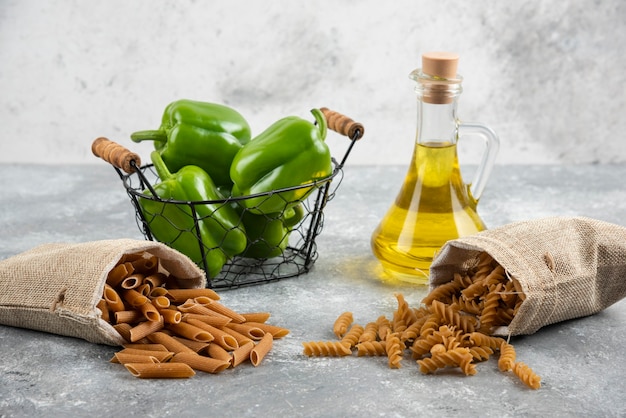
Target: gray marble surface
x: 582, y: 362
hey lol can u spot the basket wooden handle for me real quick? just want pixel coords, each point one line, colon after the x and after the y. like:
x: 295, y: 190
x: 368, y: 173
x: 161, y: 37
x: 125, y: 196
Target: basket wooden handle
x: 343, y: 124
x: 115, y: 154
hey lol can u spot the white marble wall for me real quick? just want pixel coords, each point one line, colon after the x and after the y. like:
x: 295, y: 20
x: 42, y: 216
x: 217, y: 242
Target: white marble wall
x: 548, y: 76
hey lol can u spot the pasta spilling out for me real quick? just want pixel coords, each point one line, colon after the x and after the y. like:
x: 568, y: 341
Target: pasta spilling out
x: 452, y: 327
x: 173, y: 332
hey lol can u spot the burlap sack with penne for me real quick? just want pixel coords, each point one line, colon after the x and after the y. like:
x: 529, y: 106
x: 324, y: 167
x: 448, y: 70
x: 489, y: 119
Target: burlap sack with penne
x: 565, y: 267
x: 56, y: 287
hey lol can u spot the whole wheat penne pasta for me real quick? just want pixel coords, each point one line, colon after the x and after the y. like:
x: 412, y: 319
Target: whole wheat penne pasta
x: 149, y: 311
x: 191, y: 331
x: 171, y: 316
x: 216, y: 321
x: 241, y: 339
x: 154, y: 280
x: 196, y: 346
x: 144, y: 289
x: 221, y: 309
x: 220, y: 337
x: 256, y: 316
x: 133, y: 298
x: 148, y: 346
x: 169, y: 342
x: 181, y: 295
x: 192, y: 307
x: 249, y: 330
x: 202, y: 363
x: 113, y: 299
x: 124, y: 358
x: 160, y: 291
x: 127, y: 316
x: 133, y: 281
x: 261, y: 349
x: 161, y: 356
x: 277, y: 332
x: 160, y: 370
x: 242, y: 354
x: 216, y: 351
x: 104, y: 309
x: 123, y: 330
x: 116, y: 275
x: 144, y: 329
x: 146, y: 264
x: 161, y: 302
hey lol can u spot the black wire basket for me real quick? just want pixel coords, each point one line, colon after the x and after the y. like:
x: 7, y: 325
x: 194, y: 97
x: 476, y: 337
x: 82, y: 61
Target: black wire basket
x: 293, y: 254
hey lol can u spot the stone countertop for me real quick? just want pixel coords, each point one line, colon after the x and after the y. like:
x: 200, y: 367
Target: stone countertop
x: 582, y: 362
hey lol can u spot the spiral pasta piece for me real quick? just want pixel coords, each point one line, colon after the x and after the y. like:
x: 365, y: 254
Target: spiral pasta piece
x: 326, y: 349
x: 527, y: 375
x: 352, y: 336
x: 451, y: 316
x: 394, y: 350
x: 370, y: 333
x: 342, y: 323
x: 507, y: 357
x: 480, y: 339
x: 459, y: 357
x: 371, y: 348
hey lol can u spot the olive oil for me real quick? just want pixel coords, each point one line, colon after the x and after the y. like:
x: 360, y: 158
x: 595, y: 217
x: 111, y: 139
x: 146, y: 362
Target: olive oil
x: 434, y: 205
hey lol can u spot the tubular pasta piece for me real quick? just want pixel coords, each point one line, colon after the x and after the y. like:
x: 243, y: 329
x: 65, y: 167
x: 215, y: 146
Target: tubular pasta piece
x: 326, y: 349
x: 113, y: 299
x: 202, y: 363
x: 160, y: 370
x: 343, y: 321
x: 146, y: 264
x: 144, y: 329
x: 134, y: 298
x: 261, y: 349
x: 169, y: 342
x: 123, y: 330
x: 150, y: 312
x: 256, y: 316
x: 154, y: 280
x: 251, y: 331
x: 116, y: 275
x: 124, y: 358
x: 216, y: 321
x: 216, y: 351
x: 104, y: 309
x: 371, y: 348
x: 131, y: 282
x: 195, y: 308
x: 148, y: 346
x: 171, y: 316
x: 220, y: 337
x: 161, y: 302
x: 241, y: 354
x: 241, y: 339
x: 161, y: 356
x: 127, y: 316
x: 181, y: 295
x: 277, y: 332
x: 196, y: 346
x: 221, y: 309
x: 191, y: 331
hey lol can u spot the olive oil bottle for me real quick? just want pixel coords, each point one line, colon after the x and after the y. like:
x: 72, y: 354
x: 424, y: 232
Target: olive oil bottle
x: 434, y: 204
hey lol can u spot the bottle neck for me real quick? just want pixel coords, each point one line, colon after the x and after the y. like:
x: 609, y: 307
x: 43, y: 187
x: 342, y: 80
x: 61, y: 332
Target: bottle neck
x: 437, y: 98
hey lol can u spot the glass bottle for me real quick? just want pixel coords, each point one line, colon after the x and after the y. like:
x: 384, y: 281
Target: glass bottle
x: 434, y: 204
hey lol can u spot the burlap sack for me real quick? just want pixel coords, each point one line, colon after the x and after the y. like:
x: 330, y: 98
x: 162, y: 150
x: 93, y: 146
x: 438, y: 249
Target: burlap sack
x: 568, y: 267
x: 55, y: 287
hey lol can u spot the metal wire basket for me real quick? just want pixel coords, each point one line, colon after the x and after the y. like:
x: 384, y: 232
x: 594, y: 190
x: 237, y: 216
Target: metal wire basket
x: 292, y: 256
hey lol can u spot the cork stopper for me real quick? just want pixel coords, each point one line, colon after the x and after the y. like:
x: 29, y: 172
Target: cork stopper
x: 440, y: 64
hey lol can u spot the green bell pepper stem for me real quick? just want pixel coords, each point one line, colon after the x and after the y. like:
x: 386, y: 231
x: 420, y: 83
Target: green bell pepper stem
x: 159, y: 137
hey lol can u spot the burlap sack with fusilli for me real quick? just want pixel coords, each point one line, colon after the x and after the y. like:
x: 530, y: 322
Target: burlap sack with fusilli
x: 55, y: 287
x: 568, y: 267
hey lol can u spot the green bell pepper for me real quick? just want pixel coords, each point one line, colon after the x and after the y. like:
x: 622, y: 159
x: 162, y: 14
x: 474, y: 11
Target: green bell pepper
x: 217, y: 224
x: 207, y: 135
x: 268, y: 235
x: 291, y: 152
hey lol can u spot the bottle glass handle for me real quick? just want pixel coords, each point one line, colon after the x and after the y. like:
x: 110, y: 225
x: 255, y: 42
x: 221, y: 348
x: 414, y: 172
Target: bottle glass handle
x: 492, y: 144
